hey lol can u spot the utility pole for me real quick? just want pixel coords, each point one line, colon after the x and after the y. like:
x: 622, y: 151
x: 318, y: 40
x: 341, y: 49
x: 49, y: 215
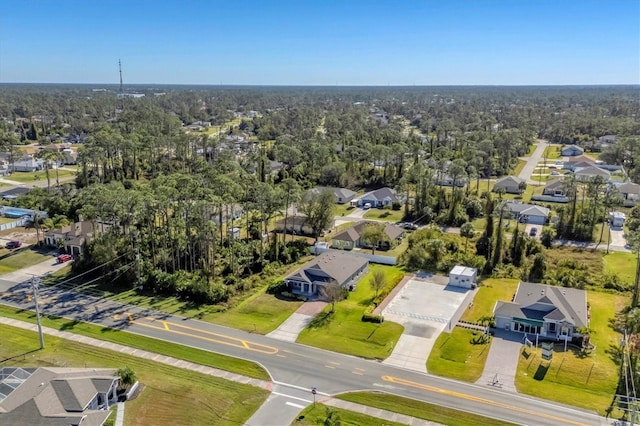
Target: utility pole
x: 35, y: 281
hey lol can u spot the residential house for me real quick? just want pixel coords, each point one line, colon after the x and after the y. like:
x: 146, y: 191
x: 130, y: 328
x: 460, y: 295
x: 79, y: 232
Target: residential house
x: 554, y: 188
x: 15, y: 192
x: 383, y: 197
x: 579, y: 161
x: 73, y: 237
x: 571, y: 151
x: 233, y: 233
x: 630, y: 193
x: 528, y: 213
x: 463, y: 276
x: 56, y: 396
x: 510, y: 184
x: 616, y: 219
x: 296, y: 225
x: 342, y: 195
x: 342, y: 268
x: 352, y: 237
x: 26, y: 164
x: 4, y: 167
x: 585, y: 174
x: 548, y: 311
x: 444, y: 179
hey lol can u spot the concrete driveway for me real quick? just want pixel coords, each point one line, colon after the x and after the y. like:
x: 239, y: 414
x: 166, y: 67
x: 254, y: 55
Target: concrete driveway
x: 48, y: 266
x: 618, y: 238
x: 425, y: 307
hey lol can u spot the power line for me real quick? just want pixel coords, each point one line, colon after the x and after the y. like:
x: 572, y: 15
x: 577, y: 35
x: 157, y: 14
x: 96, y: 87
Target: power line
x: 89, y: 271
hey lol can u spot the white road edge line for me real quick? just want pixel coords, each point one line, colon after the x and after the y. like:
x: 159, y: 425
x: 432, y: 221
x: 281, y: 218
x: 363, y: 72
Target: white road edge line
x: 292, y: 397
x: 295, y: 405
x: 298, y: 387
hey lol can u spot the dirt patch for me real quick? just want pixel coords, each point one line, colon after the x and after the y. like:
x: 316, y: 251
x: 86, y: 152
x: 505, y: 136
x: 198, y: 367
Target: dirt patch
x: 27, y: 236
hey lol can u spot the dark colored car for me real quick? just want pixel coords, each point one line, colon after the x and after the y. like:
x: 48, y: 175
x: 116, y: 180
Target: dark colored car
x: 411, y: 226
x: 533, y: 232
x: 13, y: 244
x: 64, y: 258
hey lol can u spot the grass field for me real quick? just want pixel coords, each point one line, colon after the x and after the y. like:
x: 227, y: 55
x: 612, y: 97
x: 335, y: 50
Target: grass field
x: 518, y: 168
x: 317, y: 415
x: 12, y: 260
x: 344, y: 209
x: 418, y: 409
x: 571, y: 378
x: 223, y: 362
x: 4, y: 220
x: 183, y: 396
x: 489, y: 292
x: 454, y: 356
x: 387, y: 215
x: 28, y: 177
x: 621, y: 263
x: 343, y: 331
x: 552, y: 152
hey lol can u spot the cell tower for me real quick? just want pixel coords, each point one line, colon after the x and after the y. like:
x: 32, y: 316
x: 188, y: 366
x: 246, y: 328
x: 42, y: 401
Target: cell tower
x: 120, y: 68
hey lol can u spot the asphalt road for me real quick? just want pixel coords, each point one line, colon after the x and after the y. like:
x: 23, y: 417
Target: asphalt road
x: 295, y: 368
x: 532, y: 162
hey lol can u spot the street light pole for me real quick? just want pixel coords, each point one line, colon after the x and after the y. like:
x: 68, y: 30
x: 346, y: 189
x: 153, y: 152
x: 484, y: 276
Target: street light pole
x: 35, y: 281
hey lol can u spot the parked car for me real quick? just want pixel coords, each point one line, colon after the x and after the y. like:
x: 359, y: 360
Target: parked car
x: 366, y: 206
x: 533, y: 232
x: 64, y: 258
x: 13, y: 244
x: 409, y: 225
x: 554, y: 173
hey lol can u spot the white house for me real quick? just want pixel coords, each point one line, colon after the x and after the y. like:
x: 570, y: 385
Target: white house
x: 463, y: 276
x: 510, y: 184
x: 572, y: 151
x: 616, y: 219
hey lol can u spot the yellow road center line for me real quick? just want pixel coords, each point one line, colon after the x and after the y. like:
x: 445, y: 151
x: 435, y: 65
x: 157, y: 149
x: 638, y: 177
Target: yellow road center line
x: 477, y: 399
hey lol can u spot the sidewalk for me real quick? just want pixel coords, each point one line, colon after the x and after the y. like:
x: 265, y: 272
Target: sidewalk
x: 298, y: 321
x: 174, y: 362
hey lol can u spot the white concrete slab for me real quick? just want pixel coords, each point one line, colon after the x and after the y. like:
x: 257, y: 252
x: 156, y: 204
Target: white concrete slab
x: 290, y: 329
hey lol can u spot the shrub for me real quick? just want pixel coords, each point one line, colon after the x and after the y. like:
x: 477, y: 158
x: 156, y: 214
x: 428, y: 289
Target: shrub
x: 368, y: 316
x: 276, y: 287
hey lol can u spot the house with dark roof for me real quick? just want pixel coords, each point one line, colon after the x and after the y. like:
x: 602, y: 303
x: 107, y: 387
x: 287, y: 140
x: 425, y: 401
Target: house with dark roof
x: 548, y: 311
x: 56, y: 396
x: 296, y: 225
x: 342, y: 195
x: 579, y: 161
x: 383, y: 197
x: 342, y: 268
x: 630, y: 193
x: 510, y: 184
x: 351, y: 237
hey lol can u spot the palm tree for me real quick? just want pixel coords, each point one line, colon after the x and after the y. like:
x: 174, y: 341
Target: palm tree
x: 467, y: 232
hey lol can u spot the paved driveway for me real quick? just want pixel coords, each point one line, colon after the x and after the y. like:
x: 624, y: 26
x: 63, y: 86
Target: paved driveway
x: 618, y: 237
x: 425, y: 307
x: 532, y: 162
x: 502, y: 361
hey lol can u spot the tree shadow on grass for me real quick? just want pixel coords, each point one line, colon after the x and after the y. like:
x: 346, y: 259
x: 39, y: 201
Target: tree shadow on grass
x: 323, y: 319
x: 541, y: 372
x: 366, y: 302
x: 22, y: 355
x: 69, y: 325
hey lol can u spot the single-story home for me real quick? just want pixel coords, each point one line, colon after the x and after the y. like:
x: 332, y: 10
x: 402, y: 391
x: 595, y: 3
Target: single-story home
x: 295, y: 225
x: 616, y: 219
x: 352, y: 237
x: 463, y: 276
x: 343, y: 268
x: 572, y: 151
x: 56, y: 396
x: 549, y: 311
x: 383, y: 197
x: 584, y: 174
x: 73, y: 237
x: 630, y: 193
x: 510, y: 184
x: 529, y: 213
x: 446, y: 180
x: 343, y: 195
x: 26, y: 164
x: 579, y: 161
x: 554, y: 188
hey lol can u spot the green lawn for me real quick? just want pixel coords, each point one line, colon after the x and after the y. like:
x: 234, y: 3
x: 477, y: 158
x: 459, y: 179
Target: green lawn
x: 454, y: 356
x: 183, y: 396
x: 12, y: 260
x: 552, y: 152
x: 4, y: 220
x: 570, y: 378
x: 387, y: 215
x: 418, y: 409
x: 223, y: 362
x: 343, y: 209
x: 489, y: 291
x: 343, y: 331
x: 317, y: 415
x: 518, y: 168
x: 621, y: 263
x: 28, y: 177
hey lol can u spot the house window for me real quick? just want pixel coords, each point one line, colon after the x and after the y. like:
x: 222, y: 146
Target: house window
x: 552, y: 327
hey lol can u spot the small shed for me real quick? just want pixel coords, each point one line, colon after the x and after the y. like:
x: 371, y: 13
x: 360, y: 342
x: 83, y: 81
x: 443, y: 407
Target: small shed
x: 463, y: 276
x: 234, y: 233
x: 616, y: 219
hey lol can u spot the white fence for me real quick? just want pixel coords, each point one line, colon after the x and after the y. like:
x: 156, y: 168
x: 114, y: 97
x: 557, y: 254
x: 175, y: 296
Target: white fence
x: 373, y: 258
x: 14, y: 224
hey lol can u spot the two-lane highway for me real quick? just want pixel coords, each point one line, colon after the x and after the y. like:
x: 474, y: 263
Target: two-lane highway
x: 295, y: 368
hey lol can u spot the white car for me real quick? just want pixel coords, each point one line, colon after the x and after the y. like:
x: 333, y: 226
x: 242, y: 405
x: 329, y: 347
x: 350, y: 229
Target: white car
x: 366, y: 206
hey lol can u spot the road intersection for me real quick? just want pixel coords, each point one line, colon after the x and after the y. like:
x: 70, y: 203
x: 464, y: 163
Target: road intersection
x: 296, y: 369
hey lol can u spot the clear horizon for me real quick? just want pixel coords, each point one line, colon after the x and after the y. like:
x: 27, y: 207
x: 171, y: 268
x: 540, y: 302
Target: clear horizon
x: 329, y: 43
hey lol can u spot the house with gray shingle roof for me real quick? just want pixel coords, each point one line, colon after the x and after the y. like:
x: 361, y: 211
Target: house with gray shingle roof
x: 343, y: 195
x: 584, y: 174
x: 510, y: 184
x: 56, y: 396
x: 382, y: 197
x: 342, y: 268
x: 554, y: 187
x: 352, y: 237
x: 572, y: 151
x: 528, y: 213
x: 548, y: 311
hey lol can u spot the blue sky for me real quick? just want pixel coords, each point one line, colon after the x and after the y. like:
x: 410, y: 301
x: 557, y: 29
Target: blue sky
x: 349, y: 42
